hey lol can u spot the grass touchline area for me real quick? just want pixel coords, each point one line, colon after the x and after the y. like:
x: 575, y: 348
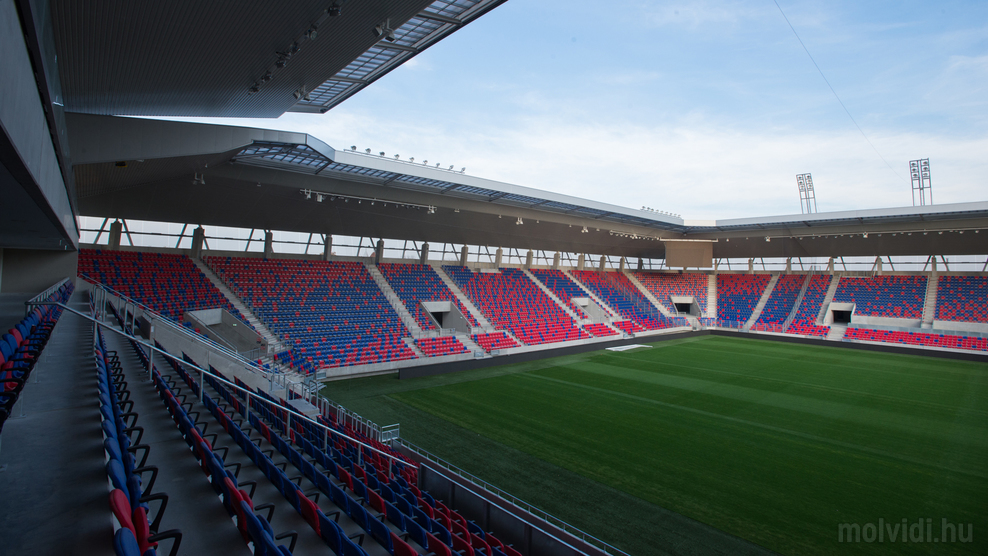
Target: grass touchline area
x: 713, y: 444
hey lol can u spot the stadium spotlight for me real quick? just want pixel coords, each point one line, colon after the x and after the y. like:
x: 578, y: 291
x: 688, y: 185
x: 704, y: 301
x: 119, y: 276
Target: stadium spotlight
x: 381, y: 153
x: 411, y: 159
x: 318, y: 197
x: 584, y: 230
x: 437, y: 165
x: 367, y: 151
x: 254, y: 89
x: 334, y: 10
x: 266, y: 77
x: 311, y: 33
x: 397, y: 156
x: 865, y: 235
x: 353, y: 148
x: 450, y: 166
x: 425, y: 162
x: 379, y: 30
x: 307, y: 193
x: 464, y: 169
x: 519, y: 222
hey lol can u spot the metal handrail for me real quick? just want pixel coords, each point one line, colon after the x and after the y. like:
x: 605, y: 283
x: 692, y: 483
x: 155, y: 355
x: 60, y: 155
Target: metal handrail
x: 44, y: 296
x: 533, y: 510
x: 248, y: 364
x: 246, y: 392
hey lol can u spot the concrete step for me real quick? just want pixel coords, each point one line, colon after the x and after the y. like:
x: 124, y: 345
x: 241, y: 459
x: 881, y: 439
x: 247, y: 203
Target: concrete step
x: 930, y: 302
x: 275, y: 345
x: 477, y: 314
x: 712, y: 296
x: 799, y: 301
x: 565, y: 306
x: 761, y: 303
x: 836, y: 333
x: 592, y: 295
x: 828, y: 298
x: 399, y: 307
x: 410, y: 342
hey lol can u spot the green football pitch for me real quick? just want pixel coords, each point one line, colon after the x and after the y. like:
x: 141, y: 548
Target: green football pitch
x: 777, y: 444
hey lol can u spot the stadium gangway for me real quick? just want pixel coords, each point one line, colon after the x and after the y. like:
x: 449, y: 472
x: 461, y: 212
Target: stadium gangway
x: 534, y: 511
x: 104, y: 293
x: 246, y: 393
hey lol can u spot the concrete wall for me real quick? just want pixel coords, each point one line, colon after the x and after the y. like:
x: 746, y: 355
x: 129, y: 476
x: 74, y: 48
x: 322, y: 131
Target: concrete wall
x: 31, y: 271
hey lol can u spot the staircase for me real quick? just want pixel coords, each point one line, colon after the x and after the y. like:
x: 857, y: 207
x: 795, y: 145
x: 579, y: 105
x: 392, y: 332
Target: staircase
x: 648, y: 295
x: 410, y: 342
x: 930, y: 307
x: 477, y: 314
x: 565, y: 306
x: 712, y: 296
x: 471, y: 345
x: 828, y: 298
x: 593, y: 296
x: 761, y: 303
x: 274, y: 343
x: 799, y: 301
x: 836, y: 333
x: 406, y: 318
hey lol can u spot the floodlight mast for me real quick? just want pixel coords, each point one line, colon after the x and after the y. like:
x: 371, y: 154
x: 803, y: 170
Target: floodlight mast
x: 807, y: 197
x: 919, y: 178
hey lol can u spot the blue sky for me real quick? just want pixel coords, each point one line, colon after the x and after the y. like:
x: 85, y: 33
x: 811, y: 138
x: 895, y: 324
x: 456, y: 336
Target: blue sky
x: 706, y: 109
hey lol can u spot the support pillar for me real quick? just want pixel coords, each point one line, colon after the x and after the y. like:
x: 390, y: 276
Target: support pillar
x: 529, y: 258
x: 424, y: 258
x: 830, y: 266
x: 581, y: 261
x: 934, y: 264
x: 624, y: 263
x: 751, y: 266
x: 603, y: 263
x: 463, y: 255
x: 497, y: 257
x: 268, y: 244
x: 789, y: 265
x: 327, y: 248
x: 878, y: 265
x: 641, y: 263
x: 379, y: 252
x: 555, y: 261
x: 198, y: 238
x: 116, y: 229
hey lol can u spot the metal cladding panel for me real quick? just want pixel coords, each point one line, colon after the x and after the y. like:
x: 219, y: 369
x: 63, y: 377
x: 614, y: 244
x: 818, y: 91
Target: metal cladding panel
x: 192, y: 58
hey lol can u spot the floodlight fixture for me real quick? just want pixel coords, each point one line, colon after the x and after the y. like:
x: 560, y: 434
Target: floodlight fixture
x: 584, y: 230
x: 319, y: 197
x: 464, y: 169
x: 411, y: 159
x: 381, y: 153
x: 397, y: 156
x: 367, y: 151
x: 308, y: 193
x: 425, y: 162
x: 807, y: 196
x: 353, y: 148
x: 519, y: 222
x: 919, y: 179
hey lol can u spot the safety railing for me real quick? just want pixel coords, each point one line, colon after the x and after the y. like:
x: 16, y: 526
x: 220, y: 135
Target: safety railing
x: 246, y: 394
x: 128, y: 308
x: 515, y: 501
x: 30, y: 304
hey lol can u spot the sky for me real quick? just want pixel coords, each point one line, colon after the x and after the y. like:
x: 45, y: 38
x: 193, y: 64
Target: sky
x: 707, y: 109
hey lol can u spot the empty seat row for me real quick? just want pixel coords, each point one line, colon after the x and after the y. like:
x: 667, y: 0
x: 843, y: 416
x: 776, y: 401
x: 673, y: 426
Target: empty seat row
x: 167, y: 284
x: 962, y: 298
x: 415, y: 283
x: 494, y: 341
x: 444, y: 345
x: 614, y: 289
x: 738, y: 294
x: 952, y: 341
x: 665, y: 286
x: 897, y: 296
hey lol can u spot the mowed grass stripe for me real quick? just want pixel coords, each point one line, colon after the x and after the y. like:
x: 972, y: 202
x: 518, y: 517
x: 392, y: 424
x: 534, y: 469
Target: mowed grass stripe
x: 779, y: 476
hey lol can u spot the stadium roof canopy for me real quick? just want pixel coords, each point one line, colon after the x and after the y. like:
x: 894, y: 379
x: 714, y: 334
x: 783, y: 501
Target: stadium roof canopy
x: 255, y: 178
x: 239, y: 58
x: 78, y: 65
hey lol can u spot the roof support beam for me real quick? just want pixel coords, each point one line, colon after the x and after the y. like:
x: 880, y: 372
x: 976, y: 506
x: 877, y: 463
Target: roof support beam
x: 437, y: 17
